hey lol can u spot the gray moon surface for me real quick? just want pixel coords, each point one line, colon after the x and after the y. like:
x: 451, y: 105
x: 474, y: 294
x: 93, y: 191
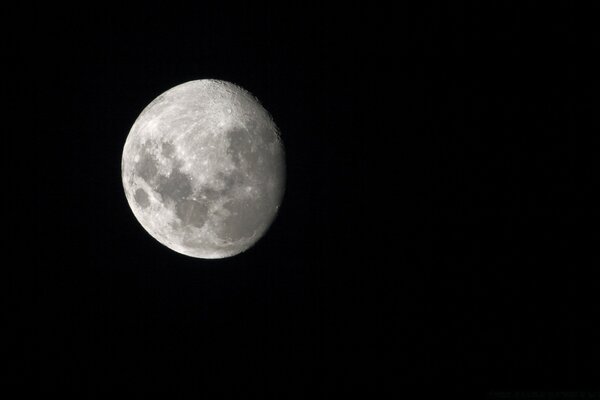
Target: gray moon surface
x: 203, y: 169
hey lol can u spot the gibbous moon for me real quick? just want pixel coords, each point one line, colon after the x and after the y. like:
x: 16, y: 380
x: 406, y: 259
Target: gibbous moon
x: 203, y: 169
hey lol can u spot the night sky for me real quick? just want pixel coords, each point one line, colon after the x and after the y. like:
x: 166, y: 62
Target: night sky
x: 437, y: 230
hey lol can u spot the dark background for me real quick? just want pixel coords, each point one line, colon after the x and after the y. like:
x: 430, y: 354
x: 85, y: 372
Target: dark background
x: 437, y: 230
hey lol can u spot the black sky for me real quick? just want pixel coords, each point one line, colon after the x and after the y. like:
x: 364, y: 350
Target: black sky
x: 436, y: 231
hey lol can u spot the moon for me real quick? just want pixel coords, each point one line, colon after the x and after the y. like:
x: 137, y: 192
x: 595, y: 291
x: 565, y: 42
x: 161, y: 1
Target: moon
x: 203, y: 169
